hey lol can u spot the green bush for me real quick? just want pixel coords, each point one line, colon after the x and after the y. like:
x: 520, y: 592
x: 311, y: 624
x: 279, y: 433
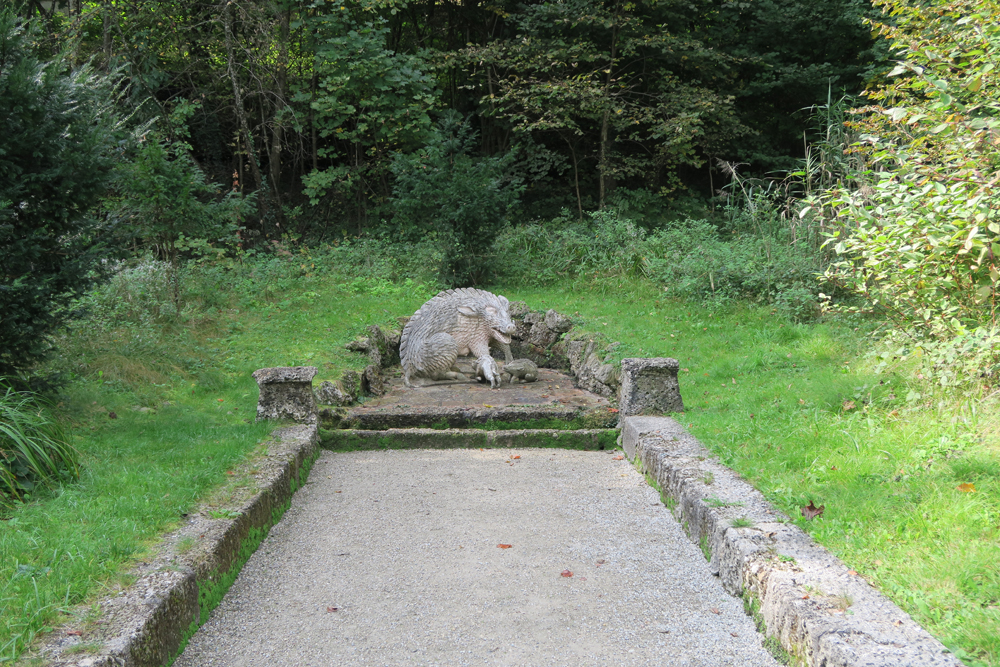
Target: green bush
x: 57, y: 150
x: 33, y: 448
x: 463, y: 200
x: 690, y: 258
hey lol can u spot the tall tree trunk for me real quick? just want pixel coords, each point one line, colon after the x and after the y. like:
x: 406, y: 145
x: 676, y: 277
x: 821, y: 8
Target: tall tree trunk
x: 603, y: 167
x: 281, y: 81
x: 106, y: 45
x: 241, y: 116
x: 576, y: 179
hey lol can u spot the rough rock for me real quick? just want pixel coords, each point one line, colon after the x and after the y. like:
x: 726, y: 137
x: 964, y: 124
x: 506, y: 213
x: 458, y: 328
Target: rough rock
x: 649, y: 386
x: 518, y: 309
x: 556, y: 322
x: 332, y: 394
x: 383, y: 348
x: 357, y: 345
x: 286, y: 393
x: 372, y: 382
x: 350, y: 383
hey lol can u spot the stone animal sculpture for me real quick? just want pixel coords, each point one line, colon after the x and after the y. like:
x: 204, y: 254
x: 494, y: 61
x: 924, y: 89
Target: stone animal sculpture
x: 524, y: 370
x: 456, y: 322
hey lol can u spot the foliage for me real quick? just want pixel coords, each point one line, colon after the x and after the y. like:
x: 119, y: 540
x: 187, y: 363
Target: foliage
x: 462, y: 200
x: 57, y: 151
x: 920, y: 234
x: 164, y: 206
x: 691, y: 259
x: 34, y: 449
x: 368, y: 102
x: 613, y: 82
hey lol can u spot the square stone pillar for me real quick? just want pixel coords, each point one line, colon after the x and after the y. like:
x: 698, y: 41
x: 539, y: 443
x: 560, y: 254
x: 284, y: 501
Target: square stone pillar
x: 286, y: 393
x: 649, y: 387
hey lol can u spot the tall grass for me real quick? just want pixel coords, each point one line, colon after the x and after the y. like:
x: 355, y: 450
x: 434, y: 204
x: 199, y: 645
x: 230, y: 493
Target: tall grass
x: 34, y: 449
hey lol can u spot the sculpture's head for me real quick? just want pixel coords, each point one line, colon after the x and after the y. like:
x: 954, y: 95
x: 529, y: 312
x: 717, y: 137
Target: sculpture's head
x: 495, y: 313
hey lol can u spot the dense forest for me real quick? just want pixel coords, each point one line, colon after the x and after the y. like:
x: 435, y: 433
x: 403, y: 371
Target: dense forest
x: 229, y: 127
x: 316, y: 107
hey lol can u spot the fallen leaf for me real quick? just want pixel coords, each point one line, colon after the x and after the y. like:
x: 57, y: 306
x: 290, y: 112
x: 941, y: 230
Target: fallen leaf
x: 848, y: 405
x: 601, y: 562
x: 333, y: 608
x: 566, y: 573
x: 112, y: 415
x: 805, y: 597
x: 75, y: 633
x: 516, y: 457
x: 802, y: 402
x: 834, y: 468
x: 504, y: 546
x: 715, y: 610
x: 337, y: 492
x: 897, y: 622
x: 487, y: 406
x: 968, y: 487
x: 852, y: 572
x: 810, y: 511
x: 583, y: 578
x: 734, y: 634
x: 220, y: 400
x: 617, y: 458
x: 612, y: 409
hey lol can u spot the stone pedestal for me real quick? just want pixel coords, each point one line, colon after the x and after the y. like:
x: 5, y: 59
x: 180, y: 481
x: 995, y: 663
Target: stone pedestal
x: 286, y: 393
x: 649, y: 387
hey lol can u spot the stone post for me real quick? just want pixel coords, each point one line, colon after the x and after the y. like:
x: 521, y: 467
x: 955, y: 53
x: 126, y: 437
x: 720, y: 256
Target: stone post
x: 286, y: 393
x: 649, y: 387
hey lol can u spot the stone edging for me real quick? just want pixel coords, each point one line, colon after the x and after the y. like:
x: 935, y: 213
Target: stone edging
x: 822, y: 613
x: 148, y: 623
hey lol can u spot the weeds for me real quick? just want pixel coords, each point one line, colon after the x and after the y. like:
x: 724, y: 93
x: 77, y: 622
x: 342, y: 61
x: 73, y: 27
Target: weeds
x: 34, y: 449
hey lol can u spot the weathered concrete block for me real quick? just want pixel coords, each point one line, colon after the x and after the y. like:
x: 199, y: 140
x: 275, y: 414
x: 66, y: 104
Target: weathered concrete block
x: 286, y: 393
x: 649, y: 386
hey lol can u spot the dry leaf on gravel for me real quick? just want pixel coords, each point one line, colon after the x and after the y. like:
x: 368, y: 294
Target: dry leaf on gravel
x: 566, y: 573
x: 332, y: 609
x: 715, y: 610
x: 810, y: 511
x: 504, y: 546
x: 617, y: 458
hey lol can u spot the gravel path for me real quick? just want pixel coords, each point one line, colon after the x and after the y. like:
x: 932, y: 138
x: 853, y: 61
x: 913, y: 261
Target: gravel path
x: 391, y: 558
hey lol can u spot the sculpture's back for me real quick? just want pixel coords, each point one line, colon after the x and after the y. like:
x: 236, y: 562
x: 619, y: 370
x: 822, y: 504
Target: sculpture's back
x: 454, y: 322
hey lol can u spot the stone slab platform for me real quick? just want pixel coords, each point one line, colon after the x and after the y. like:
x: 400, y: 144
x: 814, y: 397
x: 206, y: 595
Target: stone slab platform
x: 460, y: 403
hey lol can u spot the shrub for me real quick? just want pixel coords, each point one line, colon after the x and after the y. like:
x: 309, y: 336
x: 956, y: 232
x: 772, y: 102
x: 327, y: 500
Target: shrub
x: 463, y: 200
x: 57, y: 151
x: 33, y: 448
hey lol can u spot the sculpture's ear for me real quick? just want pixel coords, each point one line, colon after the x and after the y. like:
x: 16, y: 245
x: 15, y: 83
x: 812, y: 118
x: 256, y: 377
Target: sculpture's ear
x: 504, y: 301
x: 467, y: 311
x: 491, y: 311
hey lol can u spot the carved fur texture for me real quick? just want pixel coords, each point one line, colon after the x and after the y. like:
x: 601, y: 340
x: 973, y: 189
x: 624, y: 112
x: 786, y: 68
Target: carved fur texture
x: 456, y: 323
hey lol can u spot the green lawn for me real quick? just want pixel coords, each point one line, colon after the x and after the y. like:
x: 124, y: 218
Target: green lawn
x: 794, y: 408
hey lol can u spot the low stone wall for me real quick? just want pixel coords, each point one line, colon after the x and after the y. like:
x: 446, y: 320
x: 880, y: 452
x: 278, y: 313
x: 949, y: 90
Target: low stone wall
x: 650, y: 385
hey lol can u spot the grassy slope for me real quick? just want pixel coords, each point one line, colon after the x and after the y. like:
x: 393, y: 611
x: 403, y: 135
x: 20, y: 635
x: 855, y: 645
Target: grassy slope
x: 770, y: 397
x: 794, y: 409
x: 169, y: 445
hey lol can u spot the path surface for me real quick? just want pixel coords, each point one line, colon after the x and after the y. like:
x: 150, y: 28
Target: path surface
x: 391, y: 558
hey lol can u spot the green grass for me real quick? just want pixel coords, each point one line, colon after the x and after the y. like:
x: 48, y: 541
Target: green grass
x: 796, y: 409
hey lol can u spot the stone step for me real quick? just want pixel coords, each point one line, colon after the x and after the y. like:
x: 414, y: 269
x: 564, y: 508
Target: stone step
x: 430, y: 438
